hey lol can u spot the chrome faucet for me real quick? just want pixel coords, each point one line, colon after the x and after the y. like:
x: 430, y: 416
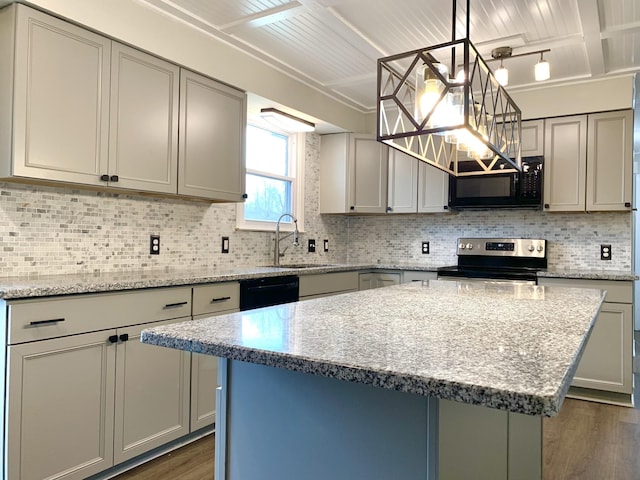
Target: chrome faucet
x: 276, y: 251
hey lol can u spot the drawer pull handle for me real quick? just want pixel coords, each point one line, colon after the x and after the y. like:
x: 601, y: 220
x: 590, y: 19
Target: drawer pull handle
x: 113, y: 338
x: 175, y: 305
x: 124, y: 337
x: 35, y: 323
x: 220, y: 299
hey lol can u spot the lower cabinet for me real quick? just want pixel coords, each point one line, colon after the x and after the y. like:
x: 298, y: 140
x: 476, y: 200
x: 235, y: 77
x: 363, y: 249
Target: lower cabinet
x: 379, y: 279
x: 607, y: 361
x: 327, y: 284
x: 409, y: 276
x: 208, y: 300
x: 80, y: 402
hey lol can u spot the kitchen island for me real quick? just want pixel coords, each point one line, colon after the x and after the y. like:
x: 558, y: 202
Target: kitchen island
x: 410, y: 381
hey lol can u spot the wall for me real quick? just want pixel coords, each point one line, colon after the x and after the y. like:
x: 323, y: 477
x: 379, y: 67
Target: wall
x: 56, y: 231
x: 573, y: 239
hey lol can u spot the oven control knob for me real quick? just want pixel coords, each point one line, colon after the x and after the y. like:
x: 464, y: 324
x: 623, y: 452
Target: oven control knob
x: 540, y: 248
x: 469, y: 246
x: 531, y: 248
x: 461, y: 246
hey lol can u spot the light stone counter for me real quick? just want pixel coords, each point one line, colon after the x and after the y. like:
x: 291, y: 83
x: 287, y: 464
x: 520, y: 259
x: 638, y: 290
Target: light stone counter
x: 616, y: 275
x: 509, y: 347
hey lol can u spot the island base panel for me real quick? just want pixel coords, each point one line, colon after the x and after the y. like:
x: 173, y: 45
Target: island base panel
x: 275, y: 423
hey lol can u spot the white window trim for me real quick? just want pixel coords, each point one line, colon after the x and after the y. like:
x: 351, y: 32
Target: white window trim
x: 298, y: 148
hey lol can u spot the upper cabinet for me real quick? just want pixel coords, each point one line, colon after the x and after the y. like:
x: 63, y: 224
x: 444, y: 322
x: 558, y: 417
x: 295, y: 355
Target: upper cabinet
x: 57, y: 78
x: 212, y: 132
x: 402, y: 195
x: 433, y: 189
x: 77, y: 107
x: 532, y: 138
x: 353, y: 174
x: 143, y: 139
x: 588, y: 162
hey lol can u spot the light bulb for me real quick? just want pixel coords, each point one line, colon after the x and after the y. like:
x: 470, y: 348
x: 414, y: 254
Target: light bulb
x: 502, y: 75
x: 429, y: 90
x: 541, y: 70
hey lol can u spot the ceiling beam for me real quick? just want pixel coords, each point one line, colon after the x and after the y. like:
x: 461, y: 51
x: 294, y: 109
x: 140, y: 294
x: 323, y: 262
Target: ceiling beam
x: 591, y: 28
x: 264, y: 17
x: 625, y: 28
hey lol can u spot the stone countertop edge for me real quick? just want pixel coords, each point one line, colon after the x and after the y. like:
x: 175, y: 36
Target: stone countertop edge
x: 514, y: 397
x: 70, y: 284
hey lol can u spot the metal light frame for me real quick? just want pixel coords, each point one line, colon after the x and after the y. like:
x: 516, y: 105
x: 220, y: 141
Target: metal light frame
x: 489, y: 115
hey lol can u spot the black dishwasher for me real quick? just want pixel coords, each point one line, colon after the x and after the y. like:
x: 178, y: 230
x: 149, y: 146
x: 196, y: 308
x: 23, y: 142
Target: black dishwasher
x: 267, y: 291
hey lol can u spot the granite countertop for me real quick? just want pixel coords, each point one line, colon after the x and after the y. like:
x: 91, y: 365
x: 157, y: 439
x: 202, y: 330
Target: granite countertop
x: 505, y: 346
x: 49, y: 285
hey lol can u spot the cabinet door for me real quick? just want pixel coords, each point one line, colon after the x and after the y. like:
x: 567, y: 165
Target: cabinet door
x: 387, y: 279
x: 61, y: 100
x: 367, y: 281
x: 212, y: 132
x: 143, y: 139
x: 565, y: 159
x: 367, y: 174
x: 402, y: 194
x: 152, y: 394
x: 609, y: 161
x: 606, y: 361
x: 61, y: 402
x: 532, y: 138
x: 433, y: 189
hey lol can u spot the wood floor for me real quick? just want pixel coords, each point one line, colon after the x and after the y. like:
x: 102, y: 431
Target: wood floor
x: 586, y: 441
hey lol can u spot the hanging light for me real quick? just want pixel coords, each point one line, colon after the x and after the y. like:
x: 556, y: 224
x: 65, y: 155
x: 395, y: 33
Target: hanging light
x: 502, y: 74
x: 286, y: 121
x: 444, y: 116
x: 541, y: 70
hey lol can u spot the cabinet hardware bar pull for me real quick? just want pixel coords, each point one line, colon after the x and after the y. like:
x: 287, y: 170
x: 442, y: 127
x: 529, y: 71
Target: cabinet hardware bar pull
x: 46, y: 322
x: 220, y: 299
x: 124, y: 337
x: 113, y: 338
x: 175, y: 305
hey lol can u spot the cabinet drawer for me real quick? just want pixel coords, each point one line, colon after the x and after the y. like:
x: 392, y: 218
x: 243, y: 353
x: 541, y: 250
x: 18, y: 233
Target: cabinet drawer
x: 218, y: 297
x: 328, y: 283
x: 617, y: 291
x: 39, y: 319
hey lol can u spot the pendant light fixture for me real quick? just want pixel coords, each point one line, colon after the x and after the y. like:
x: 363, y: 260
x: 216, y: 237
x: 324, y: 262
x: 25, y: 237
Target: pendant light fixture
x: 542, y: 70
x: 502, y: 74
x: 444, y: 115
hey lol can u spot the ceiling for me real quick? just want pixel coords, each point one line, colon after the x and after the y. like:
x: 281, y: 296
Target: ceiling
x: 333, y: 45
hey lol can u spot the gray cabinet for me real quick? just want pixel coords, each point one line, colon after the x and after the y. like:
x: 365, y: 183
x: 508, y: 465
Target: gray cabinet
x: 606, y: 364
x: 54, y: 86
x: 433, y: 189
x: 76, y: 107
x: 208, y: 300
x: 353, y: 174
x: 532, y: 138
x: 371, y: 280
x: 212, y: 125
x: 409, y: 276
x: 326, y: 284
x: 588, y: 162
x: 402, y: 194
x: 143, y: 133
x: 82, y: 392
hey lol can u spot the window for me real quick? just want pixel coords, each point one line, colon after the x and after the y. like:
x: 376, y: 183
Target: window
x: 274, y: 179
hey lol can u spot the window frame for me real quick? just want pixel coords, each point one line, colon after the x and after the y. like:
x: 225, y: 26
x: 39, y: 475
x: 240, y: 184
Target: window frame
x: 296, y: 176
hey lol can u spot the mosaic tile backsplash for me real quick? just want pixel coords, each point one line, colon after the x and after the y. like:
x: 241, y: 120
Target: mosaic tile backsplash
x: 47, y: 230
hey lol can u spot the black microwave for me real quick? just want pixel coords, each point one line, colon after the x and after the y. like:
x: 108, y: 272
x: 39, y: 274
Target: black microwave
x: 499, y: 190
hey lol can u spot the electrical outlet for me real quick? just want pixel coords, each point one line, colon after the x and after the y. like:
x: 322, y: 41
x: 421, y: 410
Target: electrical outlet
x: 225, y: 244
x: 312, y: 245
x: 154, y: 245
x: 605, y: 252
x: 326, y: 245
x: 425, y: 247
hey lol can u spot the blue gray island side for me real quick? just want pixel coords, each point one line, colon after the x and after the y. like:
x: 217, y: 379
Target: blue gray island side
x: 424, y: 380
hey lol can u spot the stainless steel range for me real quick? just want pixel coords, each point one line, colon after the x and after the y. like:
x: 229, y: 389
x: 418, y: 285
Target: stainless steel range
x: 497, y: 259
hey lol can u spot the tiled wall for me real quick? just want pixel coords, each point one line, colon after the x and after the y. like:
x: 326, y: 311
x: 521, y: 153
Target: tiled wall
x: 573, y: 239
x: 52, y: 230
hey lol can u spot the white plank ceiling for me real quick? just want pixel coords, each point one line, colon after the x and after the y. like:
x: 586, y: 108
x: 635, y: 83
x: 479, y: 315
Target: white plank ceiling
x: 333, y: 45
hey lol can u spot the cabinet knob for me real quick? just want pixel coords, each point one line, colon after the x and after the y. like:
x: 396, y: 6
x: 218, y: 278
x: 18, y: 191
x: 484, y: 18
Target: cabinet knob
x: 546, y: 205
x: 627, y: 204
x: 389, y: 209
x: 124, y: 337
x: 104, y: 178
x: 114, y: 178
x: 244, y: 195
x: 352, y: 207
x: 113, y: 338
